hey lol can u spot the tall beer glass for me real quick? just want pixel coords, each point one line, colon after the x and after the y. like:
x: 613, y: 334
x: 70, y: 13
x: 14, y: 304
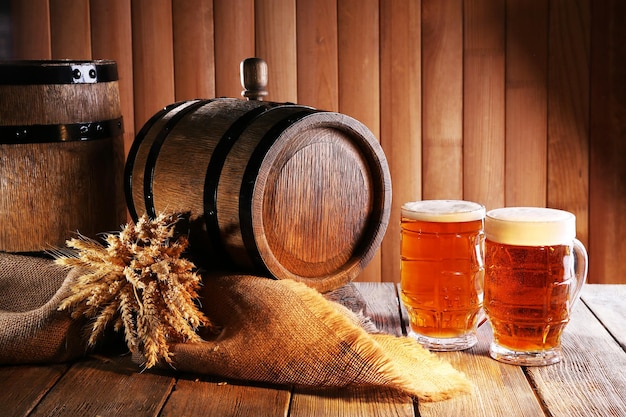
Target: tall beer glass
x: 534, y: 271
x: 442, y: 271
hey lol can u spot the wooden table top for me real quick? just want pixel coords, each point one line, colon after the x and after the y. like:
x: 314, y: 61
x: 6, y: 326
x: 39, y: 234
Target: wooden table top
x: 591, y: 381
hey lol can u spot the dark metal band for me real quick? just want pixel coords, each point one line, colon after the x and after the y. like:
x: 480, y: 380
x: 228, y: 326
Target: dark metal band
x: 61, y: 132
x: 155, y: 149
x: 250, y: 176
x: 57, y: 72
x: 132, y: 156
x: 214, y: 173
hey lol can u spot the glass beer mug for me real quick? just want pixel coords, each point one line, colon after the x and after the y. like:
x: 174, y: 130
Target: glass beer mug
x: 442, y: 271
x: 534, y: 271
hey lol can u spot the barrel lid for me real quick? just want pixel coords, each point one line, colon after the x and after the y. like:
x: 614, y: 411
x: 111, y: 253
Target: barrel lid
x: 35, y: 72
x: 321, y: 200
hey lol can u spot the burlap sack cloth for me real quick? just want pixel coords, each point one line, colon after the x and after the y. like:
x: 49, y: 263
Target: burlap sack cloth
x: 275, y: 331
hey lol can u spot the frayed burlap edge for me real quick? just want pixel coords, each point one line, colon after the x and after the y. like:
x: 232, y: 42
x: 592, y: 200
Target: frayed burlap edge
x: 296, y: 336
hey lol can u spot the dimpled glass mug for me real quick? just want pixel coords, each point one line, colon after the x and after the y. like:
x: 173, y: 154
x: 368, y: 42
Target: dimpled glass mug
x: 442, y: 271
x: 534, y: 271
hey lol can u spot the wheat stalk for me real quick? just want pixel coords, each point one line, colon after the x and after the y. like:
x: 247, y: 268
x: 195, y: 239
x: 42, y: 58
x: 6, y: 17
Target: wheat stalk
x: 138, y: 282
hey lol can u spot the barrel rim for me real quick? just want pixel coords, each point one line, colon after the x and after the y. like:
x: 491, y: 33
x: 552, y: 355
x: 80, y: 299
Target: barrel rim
x: 57, y: 71
x: 214, y: 173
x: 366, y: 247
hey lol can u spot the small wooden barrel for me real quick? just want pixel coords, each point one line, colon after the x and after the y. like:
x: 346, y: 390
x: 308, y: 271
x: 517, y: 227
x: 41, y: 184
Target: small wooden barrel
x: 280, y: 190
x: 61, y: 153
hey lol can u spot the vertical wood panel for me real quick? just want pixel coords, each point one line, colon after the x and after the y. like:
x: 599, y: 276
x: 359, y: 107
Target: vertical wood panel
x: 359, y: 97
x: 31, y: 29
x: 607, y: 249
x: 316, y: 32
x: 275, y: 26
x: 483, y: 102
x: 70, y: 29
x: 568, y: 110
x: 111, y: 38
x: 442, y: 94
x: 153, y: 57
x: 436, y: 102
x: 526, y: 103
x: 234, y: 41
x: 194, y: 63
x: 401, y: 116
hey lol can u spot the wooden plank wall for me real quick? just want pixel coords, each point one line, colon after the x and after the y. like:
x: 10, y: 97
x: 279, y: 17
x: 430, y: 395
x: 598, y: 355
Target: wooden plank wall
x: 505, y: 102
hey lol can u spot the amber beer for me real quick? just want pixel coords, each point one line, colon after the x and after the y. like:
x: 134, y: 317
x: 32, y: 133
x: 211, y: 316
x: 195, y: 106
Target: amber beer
x: 442, y: 271
x: 534, y: 270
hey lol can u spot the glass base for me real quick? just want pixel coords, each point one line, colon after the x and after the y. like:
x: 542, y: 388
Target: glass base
x: 446, y: 344
x: 533, y: 358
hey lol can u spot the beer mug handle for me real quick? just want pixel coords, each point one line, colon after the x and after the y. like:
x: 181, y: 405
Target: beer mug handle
x: 580, y: 269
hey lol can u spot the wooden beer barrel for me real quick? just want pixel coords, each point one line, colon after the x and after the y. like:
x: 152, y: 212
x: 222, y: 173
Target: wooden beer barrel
x: 281, y: 190
x: 61, y: 153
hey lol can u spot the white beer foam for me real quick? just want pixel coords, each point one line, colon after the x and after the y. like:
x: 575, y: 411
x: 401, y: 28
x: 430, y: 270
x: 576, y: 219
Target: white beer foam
x: 530, y: 226
x: 443, y: 211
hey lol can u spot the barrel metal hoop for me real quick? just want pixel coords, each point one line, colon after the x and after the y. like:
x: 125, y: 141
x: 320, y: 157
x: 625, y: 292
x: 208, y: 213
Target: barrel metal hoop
x: 69, y: 132
x: 249, y: 181
x: 155, y: 149
x: 57, y: 72
x: 214, y: 172
x: 132, y: 156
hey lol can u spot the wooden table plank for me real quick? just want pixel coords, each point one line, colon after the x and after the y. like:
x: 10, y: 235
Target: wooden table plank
x: 382, y: 306
x: 499, y: 389
x: 107, y: 388
x: 590, y: 380
x: 607, y: 303
x: 365, y: 402
x: 211, y: 397
x: 22, y: 387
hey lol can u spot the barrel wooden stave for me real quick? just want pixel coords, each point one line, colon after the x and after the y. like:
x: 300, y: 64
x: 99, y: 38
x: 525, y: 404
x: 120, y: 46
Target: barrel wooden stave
x: 51, y: 104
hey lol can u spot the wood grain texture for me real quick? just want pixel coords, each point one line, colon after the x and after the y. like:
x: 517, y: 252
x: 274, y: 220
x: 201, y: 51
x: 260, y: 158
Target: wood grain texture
x: 526, y: 118
x: 568, y: 388
x: 400, y: 115
x: 568, y: 111
x: 114, y: 388
x: 306, y: 200
x: 194, y: 49
x: 275, y: 39
x: 439, y: 107
x: 359, y: 97
x: 607, y: 184
x: 234, y: 41
x: 52, y: 190
x: 31, y: 31
x: 442, y: 99
x: 70, y: 29
x: 316, y: 34
x: 605, y: 303
x: 21, y: 388
x: 153, y: 57
x: 111, y: 38
x: 215, y: 397
x: 483, y: 102
x: 588, y: 382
